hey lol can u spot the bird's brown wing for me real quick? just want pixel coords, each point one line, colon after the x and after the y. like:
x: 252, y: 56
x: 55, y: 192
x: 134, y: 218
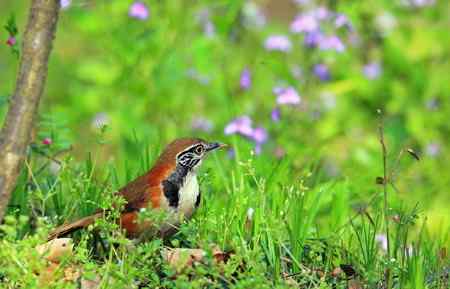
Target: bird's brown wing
x: 146, y: 188
x: 139, y: 193
x: 134, y: 193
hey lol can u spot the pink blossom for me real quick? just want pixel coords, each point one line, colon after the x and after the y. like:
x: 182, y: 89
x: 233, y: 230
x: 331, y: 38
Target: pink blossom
x: 433, y: 149
x: 278, y: 43
x: 11, y: 41
x: 47, y: 141
x: 240, y: 125
x: 279, y: 152
x: 342, y: 21
x: 259, y: 135
x: 202, y: 124
x: 139, y: 11
x: 332, y: 42
x: 288, y: 95
x: 321, y: 13
x: 372, y: 70
x: 304, y: 23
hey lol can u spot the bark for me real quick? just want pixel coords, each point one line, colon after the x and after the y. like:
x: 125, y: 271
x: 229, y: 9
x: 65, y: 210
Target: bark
x: 16, y: 132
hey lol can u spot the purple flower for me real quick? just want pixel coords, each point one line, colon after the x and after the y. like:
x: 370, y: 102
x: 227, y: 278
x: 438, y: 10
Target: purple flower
x: 381, y: 239
x: 202, y: 124
x: 287, y: 95
x: 139, y: 11
x: 278, y: 43
x: 312, y: 39
x: 296, y: 72
x: 418, y: 3
x: 304, y: 23
x: 47, y: 141
x: 276, y: 114
x: 100, y: 120
x: 279, y: 152
x: 246, y: 79
x: 11, y: 41
x: 209, y: 29
x: 332, y: 42
x: 433, y: 104
x: 321, y: 13
x: 302, y: 2
x: 197, y: 76
x: 253, y: 15
x: 204, y: 19
x: 342, y: 21
x: 258, y: 149
x: 433, y: 149
x: 259, y: 135
x: 231, y: 153
x: 240, y: 125
x: 65, y: 4
x: 322, y: 72
x: 372, y: 70
x: 243, y: 126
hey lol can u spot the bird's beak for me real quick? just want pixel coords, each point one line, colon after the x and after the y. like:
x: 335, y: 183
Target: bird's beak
x: 215, y: 145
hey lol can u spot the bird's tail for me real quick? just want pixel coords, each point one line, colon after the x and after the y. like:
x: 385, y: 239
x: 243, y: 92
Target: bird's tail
x: 74, y: 226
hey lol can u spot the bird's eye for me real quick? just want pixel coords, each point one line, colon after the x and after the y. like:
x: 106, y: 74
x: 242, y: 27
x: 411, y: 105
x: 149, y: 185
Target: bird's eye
x: 199, y: 149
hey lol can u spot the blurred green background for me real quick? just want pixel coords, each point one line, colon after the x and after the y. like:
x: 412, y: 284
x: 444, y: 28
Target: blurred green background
x: 189, y: 68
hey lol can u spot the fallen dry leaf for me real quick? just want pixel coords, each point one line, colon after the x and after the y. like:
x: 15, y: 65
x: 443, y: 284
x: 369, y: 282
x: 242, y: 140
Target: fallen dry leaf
x: 47, y: 275
x: 180, y: 258
x: 72, y: 274
x: 55, y: 249
x: 354, y: 284
x: 336, y: 272
x: 90, y: 284
x: 219, y: 255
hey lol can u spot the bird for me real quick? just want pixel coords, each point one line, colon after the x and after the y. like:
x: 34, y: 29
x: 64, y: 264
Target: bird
x: 170, y: 186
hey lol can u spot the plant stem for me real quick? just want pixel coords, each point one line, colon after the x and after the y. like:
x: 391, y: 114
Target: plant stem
x: 385, y: 194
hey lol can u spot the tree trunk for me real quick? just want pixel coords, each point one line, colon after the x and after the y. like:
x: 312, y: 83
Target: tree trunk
x: 16, y: 132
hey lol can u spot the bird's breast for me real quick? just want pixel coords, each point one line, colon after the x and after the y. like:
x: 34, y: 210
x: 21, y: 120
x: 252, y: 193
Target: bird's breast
x: 188, y: 195
x: 180, y: 196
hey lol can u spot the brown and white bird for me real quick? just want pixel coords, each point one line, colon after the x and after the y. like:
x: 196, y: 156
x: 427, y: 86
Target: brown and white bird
x: 170, y: 186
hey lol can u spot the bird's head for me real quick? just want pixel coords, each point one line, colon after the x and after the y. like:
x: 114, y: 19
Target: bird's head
x: 188, y: 152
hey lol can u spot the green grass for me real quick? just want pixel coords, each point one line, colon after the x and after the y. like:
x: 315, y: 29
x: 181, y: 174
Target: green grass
x: 295, y: 216
x: 301, y: 231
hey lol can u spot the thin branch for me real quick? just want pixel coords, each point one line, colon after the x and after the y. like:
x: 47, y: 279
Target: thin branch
x: 16, y: 132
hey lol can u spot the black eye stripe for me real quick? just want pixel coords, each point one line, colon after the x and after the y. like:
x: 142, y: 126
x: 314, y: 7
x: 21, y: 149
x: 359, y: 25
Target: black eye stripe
x: 190, y: 157
x: 185, y: 158
x: 193, y: 162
